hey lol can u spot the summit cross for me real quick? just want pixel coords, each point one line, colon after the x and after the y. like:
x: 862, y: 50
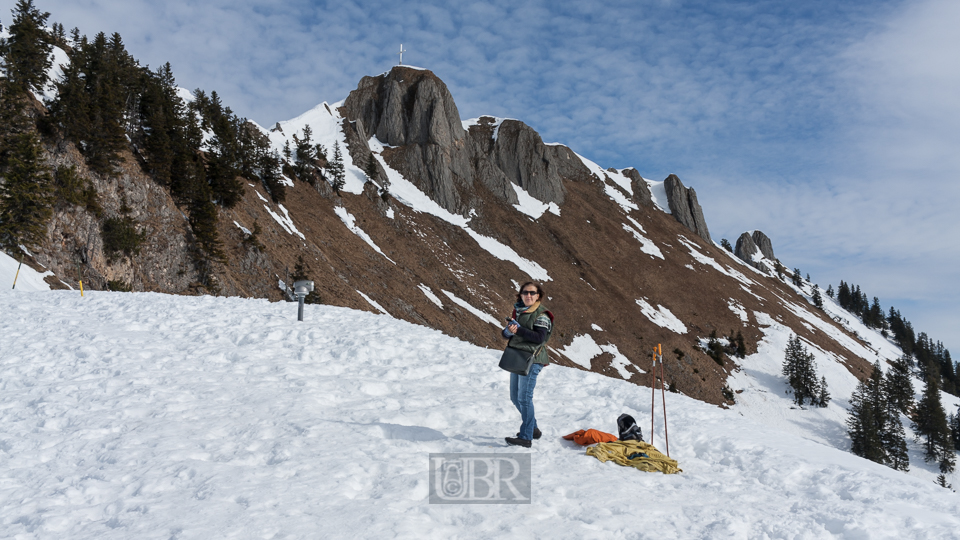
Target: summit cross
x: 401, y: 54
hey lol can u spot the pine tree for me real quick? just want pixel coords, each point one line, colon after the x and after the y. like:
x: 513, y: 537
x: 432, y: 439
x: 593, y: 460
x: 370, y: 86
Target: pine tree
x: 930, y: 423
x: 96, y: 95
x: 874, y: 426
x: 271, y: 176
x: 797, y: 280
x: 741, y: 346
x: 203, y: 223
x: 337, y: 171
x: 830, y: 292
x: 306, y: 157
x: 843, y: 295
x: 955, y: 428
x: 823, y: 397
x: 942, y: 481
x: 899, y: 385
x: 725, y: 244
x: 862, y: 423
x: 894, y: 440
x: 817, y: 298
x: 26, y: 193
x: 799, y: 368
x: 26, y: 52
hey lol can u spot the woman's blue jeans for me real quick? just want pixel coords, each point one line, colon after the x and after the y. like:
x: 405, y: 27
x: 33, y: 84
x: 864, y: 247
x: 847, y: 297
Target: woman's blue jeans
x: 521, y: 394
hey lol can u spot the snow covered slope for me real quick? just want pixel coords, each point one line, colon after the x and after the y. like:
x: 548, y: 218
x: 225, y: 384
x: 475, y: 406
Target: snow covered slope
x: 140, y: 415
x: 20, y: 276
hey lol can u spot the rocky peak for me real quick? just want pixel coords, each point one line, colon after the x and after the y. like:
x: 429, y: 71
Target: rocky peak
x: 752, y: 246
x: 412, y: 111
x: 764, y: 243
x: 405, y: 106
x: 746, y: 249
x: 684, y: 206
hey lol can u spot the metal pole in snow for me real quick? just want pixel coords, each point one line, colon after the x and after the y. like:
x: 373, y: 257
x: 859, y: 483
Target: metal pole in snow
x: 18, y: 271
x: 663, y: 395
x: 653, y: 392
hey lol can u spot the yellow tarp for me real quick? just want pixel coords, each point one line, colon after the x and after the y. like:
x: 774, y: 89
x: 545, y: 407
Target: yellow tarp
x: 620, y: 452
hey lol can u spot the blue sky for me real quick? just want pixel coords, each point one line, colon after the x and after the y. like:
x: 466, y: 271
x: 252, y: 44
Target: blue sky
x: 834, y: 127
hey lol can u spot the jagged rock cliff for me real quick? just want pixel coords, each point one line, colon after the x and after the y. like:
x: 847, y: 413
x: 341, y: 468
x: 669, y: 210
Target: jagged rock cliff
x: 641, y: 190
x: 752, y: 247
x: 412, y: 111
x: 685, y: 208
x: 75, y: 248
x: 764, y: 243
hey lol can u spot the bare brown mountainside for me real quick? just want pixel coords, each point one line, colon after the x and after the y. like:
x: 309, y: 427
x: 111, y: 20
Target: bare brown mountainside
x: 619, y: 265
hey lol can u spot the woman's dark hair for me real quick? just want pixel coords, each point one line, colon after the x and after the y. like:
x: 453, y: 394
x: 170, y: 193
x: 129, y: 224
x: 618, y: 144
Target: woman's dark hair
x: 537, y: 285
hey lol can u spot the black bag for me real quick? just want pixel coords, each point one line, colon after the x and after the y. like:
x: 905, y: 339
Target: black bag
x: 629, y: 430
x: 516, y: 361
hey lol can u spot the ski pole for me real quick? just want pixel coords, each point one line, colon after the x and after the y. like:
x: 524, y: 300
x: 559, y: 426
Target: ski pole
x: 663, y: 395
x: 653, y: 392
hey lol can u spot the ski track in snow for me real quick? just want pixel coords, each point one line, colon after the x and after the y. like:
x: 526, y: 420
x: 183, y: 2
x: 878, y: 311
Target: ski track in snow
x: 142, y: 415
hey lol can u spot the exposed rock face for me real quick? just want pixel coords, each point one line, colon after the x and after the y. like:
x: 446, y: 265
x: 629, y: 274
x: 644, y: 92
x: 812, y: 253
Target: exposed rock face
x: 746, y: 249
x: 684, y: 206
x: 513, y: 152
x: 520, y: 153
x: 75, y: 250
x: 752, y: 245
x: 412, y: 110
x: 641, y: 192
x: 765, y: 245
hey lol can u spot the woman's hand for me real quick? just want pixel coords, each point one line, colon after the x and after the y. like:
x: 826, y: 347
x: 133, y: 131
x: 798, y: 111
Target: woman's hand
x: 512, y: 328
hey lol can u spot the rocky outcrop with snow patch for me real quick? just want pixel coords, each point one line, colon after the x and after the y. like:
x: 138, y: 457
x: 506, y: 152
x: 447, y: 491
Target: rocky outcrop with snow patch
x: 753, y: 247
x: 412, y: 111
x: 764, y: 244
x: 641, y: 191
x: 684, y: 206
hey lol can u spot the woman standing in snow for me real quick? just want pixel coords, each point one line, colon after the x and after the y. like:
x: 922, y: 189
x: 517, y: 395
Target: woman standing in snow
x: 529, y: 330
